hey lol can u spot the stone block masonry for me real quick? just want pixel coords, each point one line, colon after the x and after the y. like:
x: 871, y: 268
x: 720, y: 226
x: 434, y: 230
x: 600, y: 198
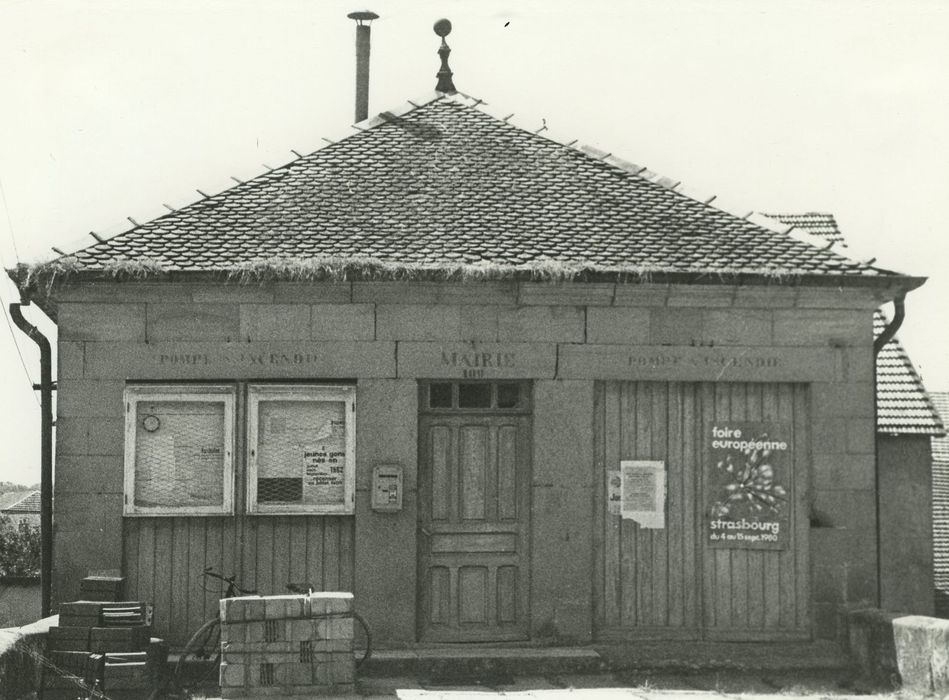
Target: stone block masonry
x: 287, y: 645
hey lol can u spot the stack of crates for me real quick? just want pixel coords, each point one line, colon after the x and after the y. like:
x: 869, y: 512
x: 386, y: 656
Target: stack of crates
x: 104, y: 646
x: 291, y: 645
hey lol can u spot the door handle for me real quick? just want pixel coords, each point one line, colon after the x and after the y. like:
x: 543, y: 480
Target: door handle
x: 425, y: 532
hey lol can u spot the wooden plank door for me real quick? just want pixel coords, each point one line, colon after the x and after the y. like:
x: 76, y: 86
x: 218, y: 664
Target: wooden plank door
x: 473, y: 527
x: 670, y: 583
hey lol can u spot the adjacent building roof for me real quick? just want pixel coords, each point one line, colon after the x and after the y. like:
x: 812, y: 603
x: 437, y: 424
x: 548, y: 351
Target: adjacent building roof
x: 445, y: 184
x: 903, y: 406
x: 20, y: 502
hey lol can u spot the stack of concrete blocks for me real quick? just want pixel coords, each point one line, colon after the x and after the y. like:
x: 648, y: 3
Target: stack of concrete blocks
x: 105, y: 647
x: 292, y: 645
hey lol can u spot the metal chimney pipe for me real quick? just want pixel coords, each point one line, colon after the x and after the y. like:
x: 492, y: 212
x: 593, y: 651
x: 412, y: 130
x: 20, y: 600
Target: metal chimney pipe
x: 363, y: 20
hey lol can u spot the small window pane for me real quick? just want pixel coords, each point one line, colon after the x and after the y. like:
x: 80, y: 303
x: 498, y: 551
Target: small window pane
x: 474, y: 396
x: 508, y: 395
x: 302, y: 452
x: 439, y: 396
x: 179, y: 454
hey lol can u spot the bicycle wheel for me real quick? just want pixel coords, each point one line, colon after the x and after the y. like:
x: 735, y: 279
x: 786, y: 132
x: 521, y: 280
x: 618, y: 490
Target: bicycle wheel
x: 365, y: 630
x: 201, y: 657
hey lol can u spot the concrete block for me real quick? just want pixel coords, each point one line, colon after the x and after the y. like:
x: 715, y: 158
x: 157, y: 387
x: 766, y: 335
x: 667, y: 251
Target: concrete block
x: 853, y: 509
x: 621, y: 325
x: 70, y: 359
x: 565, y: 294
x: 232, y: 293
x: 90, y: 398
x: 312, y: 292
x: 541, y: 323
x: 822, y: 327
x: 560, y: 532
x: 451, y: 293
x: 192, y: 322
x: 861, y: 436
x: 331, y: 603
x: 643, y: 295
x: 418, y: 322
x: 829, y: 435
x: 232, y: 675
x: 97, y: 474
x: 277, y: 360
x: 265, y: 322
x: 844, y: 471
x: 98, y: 321
x: 677, y: 326
x: 563, y: 432
x: 387, y: 543
x: 478, y: 322
x: 765, y: 297
x: 343, y: 322
x: 477, y: 360
x: 922, y: 668
x: 859, y: 364
x: 386, y: 428
x: 738, y: 327
x: 106, y: 437
x: 837, y: 298
x: 843, y: 399
x: 129, y: 291
x: 704, y: 296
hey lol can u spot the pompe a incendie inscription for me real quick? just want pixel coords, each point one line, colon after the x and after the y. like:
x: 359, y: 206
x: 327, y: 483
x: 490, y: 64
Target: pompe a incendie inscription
x: 747, y: 477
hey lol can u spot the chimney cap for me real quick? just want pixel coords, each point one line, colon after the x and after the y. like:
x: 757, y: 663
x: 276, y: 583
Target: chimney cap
x: 364, y: 15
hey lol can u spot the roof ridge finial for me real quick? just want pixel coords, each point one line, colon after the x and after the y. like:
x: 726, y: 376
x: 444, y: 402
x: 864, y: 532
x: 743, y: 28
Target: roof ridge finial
x: 443, y: 28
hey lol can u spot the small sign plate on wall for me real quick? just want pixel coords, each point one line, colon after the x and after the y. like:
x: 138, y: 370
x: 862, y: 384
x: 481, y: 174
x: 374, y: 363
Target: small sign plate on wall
x: 643, y: 493
x: 387, y: 488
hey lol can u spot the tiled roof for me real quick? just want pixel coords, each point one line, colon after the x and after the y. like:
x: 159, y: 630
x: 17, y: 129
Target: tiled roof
x: 940, y: 447
x: 903, y: 406
x: 20, y: 502
x: 445, y: 183
x: 940, y: 400
x: 818, y: 224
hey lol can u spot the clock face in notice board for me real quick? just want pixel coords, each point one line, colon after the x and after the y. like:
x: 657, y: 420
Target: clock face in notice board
x: 151, y: 423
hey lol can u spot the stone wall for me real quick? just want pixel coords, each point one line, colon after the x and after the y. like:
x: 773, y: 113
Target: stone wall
x: 388, y: 334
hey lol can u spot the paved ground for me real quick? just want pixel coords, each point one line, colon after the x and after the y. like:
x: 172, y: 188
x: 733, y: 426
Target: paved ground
x: 779, y: 685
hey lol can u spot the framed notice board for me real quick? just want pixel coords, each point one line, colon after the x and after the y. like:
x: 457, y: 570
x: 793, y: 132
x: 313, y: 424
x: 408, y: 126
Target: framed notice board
x: 179, y: 450
x: 301, y: 449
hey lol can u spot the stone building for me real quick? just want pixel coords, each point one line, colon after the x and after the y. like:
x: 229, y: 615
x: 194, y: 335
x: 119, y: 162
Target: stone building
x: 499, y: 385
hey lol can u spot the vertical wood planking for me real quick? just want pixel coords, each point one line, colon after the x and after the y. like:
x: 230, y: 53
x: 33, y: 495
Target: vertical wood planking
x: 659, y: 539
x: 599, y: 509
x: 331, y: 553
x: 473, y: 457
x: 613, y: 569
x: 347, y: 557
x: 800, y: 514
x: 675, y: 512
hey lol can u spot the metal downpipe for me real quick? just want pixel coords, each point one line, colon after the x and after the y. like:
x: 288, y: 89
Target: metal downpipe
x: 46, y: 452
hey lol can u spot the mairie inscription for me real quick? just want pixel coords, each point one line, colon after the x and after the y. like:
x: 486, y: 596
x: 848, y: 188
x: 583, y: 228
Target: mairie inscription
x: 476, y: 364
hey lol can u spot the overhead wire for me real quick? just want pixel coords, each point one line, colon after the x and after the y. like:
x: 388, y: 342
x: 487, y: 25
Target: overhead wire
x: 3, y: 303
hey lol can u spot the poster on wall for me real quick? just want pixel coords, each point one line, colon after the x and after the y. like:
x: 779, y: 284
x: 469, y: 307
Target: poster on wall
x: 747, y: 485
x: 643, y: 493
x: 614, y: 492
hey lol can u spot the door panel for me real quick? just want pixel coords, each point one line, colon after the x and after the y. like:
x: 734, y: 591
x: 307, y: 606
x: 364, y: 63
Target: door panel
x: 669, y: 583
x: 473, y: 475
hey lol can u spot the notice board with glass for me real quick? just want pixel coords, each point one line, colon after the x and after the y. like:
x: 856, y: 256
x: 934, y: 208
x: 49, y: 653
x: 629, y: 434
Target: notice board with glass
x: 179, y: 450
x: 301, y: 449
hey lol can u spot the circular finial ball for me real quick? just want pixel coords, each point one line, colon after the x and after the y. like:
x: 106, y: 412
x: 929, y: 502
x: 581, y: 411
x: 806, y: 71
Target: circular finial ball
x: 442, y: 28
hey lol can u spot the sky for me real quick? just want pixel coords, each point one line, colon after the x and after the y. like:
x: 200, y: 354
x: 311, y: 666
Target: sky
x: 109, y: 109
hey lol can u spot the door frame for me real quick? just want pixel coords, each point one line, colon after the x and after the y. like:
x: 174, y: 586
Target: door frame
x: 523, y: 412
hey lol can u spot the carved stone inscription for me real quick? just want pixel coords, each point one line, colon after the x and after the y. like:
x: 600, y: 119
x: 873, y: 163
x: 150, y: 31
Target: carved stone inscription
x: 697, y: 363
x: 477, y: 360
x: 260, y: 359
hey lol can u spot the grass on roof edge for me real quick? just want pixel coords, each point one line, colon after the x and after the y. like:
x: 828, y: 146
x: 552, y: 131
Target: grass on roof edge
x: 40, y: 279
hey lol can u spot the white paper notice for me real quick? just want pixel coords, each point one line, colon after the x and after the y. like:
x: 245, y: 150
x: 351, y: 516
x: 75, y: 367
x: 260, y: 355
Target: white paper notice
x: 643, y: 493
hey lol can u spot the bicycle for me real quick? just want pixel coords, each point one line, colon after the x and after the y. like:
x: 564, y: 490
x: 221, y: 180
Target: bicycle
x: 203, y: 650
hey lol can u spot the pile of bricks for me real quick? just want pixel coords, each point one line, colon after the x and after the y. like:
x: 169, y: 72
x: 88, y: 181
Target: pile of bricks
x: 292, y: 645
x: 104, y: 646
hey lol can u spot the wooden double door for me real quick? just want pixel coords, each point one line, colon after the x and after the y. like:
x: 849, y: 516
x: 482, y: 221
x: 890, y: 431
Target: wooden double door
x: 673, y: 582
x: 474, y: 517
